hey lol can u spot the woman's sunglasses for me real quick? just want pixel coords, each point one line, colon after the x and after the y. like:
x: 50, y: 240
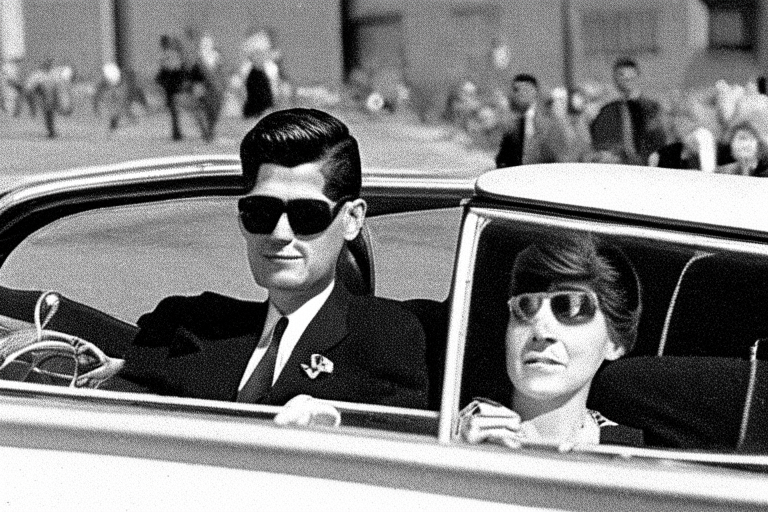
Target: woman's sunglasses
x: 260, y: 214
x: 569, y: 307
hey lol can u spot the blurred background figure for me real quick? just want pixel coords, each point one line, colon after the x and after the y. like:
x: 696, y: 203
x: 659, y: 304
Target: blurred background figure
x: 170, y: 77
x: 207, y: 84
x: 262, y: 74
x: 43, y: 86
x: 111, y: 95
x: 743, y: 113
x: 749, y: 148
x: 15, y: 94
x: 524, y: 102
x: 694, y: 130
x: 632, y: 127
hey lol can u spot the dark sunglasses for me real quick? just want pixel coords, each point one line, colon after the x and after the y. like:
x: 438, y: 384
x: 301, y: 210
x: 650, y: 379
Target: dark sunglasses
x: 260, y: 214
x: 569, y: 307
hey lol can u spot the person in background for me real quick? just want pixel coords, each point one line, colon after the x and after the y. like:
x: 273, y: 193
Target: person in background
x: 749, y: 151
x: 261, y: 73
x: 111, y: 95
x: 170, y: 77
x: 574, y: 303
x: 631, y: 128
x: 43, y: 86
x: 207, y: 81
x: 524, y: 102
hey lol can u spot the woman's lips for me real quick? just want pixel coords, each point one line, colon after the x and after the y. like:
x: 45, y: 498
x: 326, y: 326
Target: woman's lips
x: 541, y: 360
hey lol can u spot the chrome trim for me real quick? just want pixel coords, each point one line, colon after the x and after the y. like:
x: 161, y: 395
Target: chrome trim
x: 670, y: 310
x: 395, y: 182
x: 614, y: 227
x: 108, y: 178
x: 30, y: 390
x: 457, y: 328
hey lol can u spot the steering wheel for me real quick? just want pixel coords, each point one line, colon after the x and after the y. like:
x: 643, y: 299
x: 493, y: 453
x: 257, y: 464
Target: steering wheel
x: 35, y: 353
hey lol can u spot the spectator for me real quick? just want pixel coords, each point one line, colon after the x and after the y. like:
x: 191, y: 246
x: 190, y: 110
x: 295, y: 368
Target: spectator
x: 631, y: 128
x: 207, y: 87
x: 750, y: 151
x: 43, y: 86
x: 524, y: 101
x: 262, y: 72
x: 171, y: 78
x: 111, y: 94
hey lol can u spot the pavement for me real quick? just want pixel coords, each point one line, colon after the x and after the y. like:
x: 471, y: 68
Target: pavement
x: 389, y: 142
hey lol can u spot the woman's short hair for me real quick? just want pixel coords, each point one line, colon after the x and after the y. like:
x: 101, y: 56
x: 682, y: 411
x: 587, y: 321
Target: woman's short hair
x: 302, y: 135
x: 588, y: 259
x: 749, y: 126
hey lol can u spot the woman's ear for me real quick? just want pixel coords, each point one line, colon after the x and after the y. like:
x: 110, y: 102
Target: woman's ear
x: 613, y: 350
x: 354, y: 218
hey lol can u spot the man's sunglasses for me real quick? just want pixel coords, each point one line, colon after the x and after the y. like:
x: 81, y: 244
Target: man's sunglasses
x: 260, y: 214
x: 569, y: 307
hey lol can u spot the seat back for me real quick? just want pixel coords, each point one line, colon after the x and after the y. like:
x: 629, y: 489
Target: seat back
x: 354, y: 267
x: 433, y: 316
x: 720, y: 307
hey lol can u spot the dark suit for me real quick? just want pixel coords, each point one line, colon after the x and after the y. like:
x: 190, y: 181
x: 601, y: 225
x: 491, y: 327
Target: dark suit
x: 511, y: 148
x: 258, y: 93
x: 647, y: 123
x: 199, y: 347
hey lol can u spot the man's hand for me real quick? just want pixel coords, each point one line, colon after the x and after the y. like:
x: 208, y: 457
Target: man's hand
x: 484, y: 420
x: 305, y: 410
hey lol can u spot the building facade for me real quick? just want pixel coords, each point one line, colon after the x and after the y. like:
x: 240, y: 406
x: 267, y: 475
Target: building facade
x: 432, y: 43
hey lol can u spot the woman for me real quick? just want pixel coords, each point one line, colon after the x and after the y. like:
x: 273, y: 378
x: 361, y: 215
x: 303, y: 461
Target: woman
x: 574, y: 303
x: 749, y: 151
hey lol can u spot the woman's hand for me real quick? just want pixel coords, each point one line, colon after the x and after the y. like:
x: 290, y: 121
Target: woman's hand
x: 484, y: 420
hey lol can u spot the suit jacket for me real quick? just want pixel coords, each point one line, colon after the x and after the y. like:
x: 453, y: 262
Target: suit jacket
x: 258, y: 93
x: 199, y: 347
x: 552, y: 141
x: 648, y: 132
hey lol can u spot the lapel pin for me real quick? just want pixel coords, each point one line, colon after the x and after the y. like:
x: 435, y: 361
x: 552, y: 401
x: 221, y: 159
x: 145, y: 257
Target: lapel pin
x: 318, y: 364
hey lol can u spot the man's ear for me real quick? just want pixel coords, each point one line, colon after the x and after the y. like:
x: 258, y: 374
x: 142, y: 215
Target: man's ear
x: 354, y: 218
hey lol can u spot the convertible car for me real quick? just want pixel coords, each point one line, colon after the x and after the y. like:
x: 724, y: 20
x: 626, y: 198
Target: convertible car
x: 84, y: 253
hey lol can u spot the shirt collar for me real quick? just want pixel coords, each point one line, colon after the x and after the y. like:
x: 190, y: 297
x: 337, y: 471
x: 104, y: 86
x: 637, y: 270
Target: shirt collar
x: 297, y: 324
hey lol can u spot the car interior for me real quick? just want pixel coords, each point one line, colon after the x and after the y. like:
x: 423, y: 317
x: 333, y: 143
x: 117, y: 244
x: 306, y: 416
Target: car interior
x: 696, y: 303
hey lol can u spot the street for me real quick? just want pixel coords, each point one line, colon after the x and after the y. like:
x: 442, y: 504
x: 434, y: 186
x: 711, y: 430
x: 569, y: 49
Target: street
x: 385, y: 142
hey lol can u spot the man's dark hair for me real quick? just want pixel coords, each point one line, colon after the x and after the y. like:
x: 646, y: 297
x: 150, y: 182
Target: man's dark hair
x: 584, y: 257
x: 525, y: 77
x: 302, y: 135
x: 626, y: 62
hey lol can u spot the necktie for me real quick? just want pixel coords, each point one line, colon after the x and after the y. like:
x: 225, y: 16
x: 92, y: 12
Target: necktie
x: 628, y: 136
x: 260, y: 382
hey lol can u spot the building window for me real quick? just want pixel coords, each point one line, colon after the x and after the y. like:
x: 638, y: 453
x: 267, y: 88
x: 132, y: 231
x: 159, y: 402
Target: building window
x: 620, y: 32
x: 732, y: 26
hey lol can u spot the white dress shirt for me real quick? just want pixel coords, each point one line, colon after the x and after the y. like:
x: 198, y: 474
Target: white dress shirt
x: 529, y: 128
x: 297, y: 323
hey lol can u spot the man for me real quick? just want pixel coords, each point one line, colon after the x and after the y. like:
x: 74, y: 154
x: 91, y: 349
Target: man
x: 311, y: 336
x: 525, y: 93
x: 631, y: 128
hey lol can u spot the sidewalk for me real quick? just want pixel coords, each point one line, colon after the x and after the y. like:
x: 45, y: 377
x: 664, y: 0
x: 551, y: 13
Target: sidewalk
x: 85, y: 140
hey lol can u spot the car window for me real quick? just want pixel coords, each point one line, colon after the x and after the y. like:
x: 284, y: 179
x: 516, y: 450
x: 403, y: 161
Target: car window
x: 124, y: 260
x: 415, y: 244
x: 703, y: 304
